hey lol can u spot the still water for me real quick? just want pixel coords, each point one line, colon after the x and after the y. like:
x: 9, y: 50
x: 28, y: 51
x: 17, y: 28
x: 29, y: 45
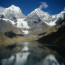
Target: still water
x: 33, y: 53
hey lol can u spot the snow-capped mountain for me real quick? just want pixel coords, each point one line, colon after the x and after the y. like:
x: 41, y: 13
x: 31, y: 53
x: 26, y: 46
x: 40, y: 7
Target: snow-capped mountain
x: 39, y: 12
x: 13, y: 10
x: 32, y: 27
x: 14, y: 15
x: 50, y: 20
x: 37, y: 15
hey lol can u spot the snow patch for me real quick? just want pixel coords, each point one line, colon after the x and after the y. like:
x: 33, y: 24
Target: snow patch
x: 22, y: 24
x: 52, y: 23
x: 25, y: 31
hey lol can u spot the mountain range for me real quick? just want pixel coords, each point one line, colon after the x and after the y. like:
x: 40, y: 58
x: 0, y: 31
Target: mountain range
x: 35, y: 26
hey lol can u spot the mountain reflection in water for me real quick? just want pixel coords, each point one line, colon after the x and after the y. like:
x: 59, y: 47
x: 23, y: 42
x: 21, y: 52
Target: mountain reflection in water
x: 32, y: 53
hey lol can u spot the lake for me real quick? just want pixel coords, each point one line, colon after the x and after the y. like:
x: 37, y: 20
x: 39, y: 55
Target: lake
x: 33, y: 53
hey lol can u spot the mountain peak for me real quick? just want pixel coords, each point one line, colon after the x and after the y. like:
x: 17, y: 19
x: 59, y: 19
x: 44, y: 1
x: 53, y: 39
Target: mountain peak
x: 13, y: 11
x: 13, y: 6
x: 39, y: 12
x: 38, y: 9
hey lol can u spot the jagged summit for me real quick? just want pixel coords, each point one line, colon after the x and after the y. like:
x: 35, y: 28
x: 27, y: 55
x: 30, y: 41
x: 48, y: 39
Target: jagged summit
x: 13, y: 11
x: 13, y: 6
x: 39, y: 12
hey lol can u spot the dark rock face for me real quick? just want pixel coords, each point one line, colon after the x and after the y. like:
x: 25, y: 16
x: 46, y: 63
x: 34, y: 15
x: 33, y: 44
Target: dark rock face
x: 54, y: 37
x: 33, y: 20
x: 2, y: 16
x: 12, y: 34
x: 12, y: 17
x: 40, y: 28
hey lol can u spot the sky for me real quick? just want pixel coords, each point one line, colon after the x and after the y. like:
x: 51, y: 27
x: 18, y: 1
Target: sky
x: 27, y: 6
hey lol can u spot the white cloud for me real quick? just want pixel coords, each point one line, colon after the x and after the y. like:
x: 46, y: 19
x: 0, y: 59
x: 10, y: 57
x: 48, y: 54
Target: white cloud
x: 1, y: 9
x: 43, y: 5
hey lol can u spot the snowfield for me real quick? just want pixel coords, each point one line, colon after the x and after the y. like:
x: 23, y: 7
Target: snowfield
x: 22, y: 23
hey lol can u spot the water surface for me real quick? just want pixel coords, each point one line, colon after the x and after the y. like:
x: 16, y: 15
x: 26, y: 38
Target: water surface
x: 32, y: 53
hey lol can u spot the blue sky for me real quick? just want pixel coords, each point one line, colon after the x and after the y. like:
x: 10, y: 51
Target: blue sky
x: 51, y: 6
